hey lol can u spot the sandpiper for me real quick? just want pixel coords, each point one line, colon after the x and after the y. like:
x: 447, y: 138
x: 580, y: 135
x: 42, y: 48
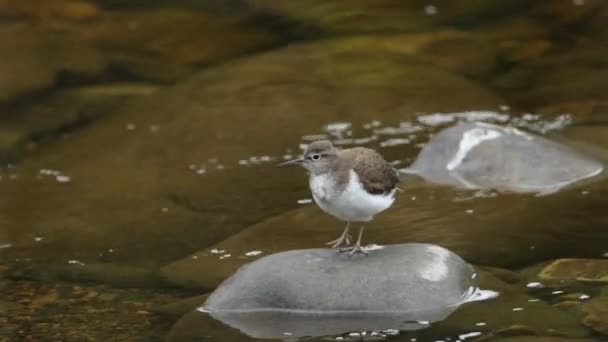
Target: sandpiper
x: 351, y: 184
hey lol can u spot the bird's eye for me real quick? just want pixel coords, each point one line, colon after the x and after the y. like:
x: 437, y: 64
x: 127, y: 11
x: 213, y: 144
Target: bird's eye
x: 316, y: 156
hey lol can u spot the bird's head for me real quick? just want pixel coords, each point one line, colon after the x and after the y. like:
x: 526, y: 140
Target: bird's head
x: 319, y: 157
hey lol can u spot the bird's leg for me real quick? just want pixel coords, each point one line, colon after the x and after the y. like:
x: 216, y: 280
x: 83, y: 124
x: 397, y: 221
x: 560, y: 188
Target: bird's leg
x: 356, y: 248
x: 343, y: 240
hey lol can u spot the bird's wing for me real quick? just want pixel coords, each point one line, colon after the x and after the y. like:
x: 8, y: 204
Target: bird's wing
x: 376, y: 175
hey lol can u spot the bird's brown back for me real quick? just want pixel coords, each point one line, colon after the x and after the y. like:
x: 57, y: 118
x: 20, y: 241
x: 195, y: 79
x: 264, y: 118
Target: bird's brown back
x: 375, y: 173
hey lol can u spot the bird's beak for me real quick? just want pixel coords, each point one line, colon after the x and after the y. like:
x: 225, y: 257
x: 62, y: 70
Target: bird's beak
x: 292, y: 162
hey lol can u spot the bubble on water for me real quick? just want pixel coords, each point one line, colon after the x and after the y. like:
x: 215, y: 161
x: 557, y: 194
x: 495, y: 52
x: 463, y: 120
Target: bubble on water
x: 217, y: 251
x: 153, y: 128
x: 63, y: 179
x: 365, y: 140
x: 469, y: 335
x: 403, y: 128
x: 481, y: 324
x: 534, y: 284
x: 584, y: 296
x: 438, y: 119
x: 76, y: 262
x: 395, y: 142
x: 372, y: 124
x: 337, y: 126
x: 313, y: 137
x: 253, y: 253
x: 430, y: 10
x: 6, y: 245
x: 130, y: 126
x: 225, y: 256
x: 534, y: 123
x: 518, y: 309
x: 391, y: 332
x: 305, y: 201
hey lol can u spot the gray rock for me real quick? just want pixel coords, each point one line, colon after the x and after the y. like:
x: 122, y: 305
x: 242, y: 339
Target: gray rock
x: 489, y: 320
x: 289, y: 292
x: 484, y: 156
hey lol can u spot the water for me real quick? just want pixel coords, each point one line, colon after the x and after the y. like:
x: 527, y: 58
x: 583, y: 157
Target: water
x: 139, y: 141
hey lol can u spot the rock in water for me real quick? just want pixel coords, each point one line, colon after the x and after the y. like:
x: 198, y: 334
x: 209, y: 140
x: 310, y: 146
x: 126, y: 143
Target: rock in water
x: 485, y: 156
x: 318, y: 292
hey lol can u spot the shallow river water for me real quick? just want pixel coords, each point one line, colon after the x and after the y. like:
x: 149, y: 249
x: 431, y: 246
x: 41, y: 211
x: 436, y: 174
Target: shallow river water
x: 139, y: 142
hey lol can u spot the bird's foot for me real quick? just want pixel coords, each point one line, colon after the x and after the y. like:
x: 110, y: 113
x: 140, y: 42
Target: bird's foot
x: 355, y: 249
x: 343, y: 241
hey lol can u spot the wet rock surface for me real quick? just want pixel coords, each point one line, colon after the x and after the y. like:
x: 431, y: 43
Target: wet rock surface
x: 490, y: 157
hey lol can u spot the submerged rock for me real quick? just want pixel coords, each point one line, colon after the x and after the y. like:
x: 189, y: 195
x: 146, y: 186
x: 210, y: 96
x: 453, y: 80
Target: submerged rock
x: 319, y: 292
x: 484, y: 156
x: 61, y: 111
x: 596, y: 314
x: 167, y: 175
x: 587, y: 270
x: 355, y: 16
x: 575, y: 75
x: 32, y: 59
x: 163, y: 44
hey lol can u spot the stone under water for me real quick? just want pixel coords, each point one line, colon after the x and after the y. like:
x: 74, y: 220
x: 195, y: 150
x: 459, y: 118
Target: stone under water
x: 490, y: 157
x: 319, y: 292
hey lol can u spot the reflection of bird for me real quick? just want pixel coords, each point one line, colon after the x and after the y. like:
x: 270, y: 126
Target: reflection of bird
x: 352, y: 184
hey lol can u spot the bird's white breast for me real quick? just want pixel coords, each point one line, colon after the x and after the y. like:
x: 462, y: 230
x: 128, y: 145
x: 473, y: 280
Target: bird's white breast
x: 352, y: 203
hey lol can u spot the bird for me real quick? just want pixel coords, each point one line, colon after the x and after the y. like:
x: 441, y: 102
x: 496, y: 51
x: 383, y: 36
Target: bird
x: 352, y: 184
